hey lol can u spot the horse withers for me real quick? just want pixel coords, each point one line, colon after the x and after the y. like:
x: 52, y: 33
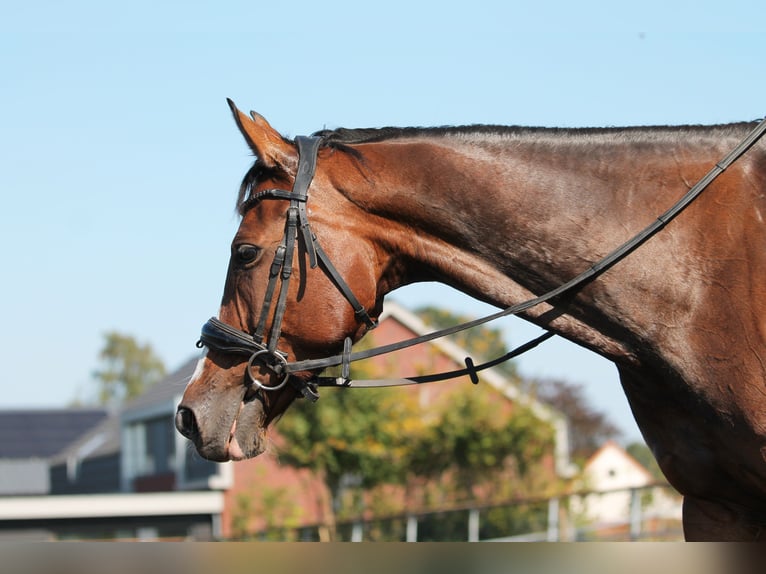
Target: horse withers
x: 505, y: 214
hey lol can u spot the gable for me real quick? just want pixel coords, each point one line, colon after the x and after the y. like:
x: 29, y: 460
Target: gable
x: 611, y: 467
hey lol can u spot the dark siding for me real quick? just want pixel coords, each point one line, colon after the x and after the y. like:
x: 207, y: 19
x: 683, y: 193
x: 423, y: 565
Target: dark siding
x: 95, y: 475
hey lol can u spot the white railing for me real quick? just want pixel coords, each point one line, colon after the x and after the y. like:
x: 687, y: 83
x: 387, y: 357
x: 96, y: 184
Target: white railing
x: 651, y: 512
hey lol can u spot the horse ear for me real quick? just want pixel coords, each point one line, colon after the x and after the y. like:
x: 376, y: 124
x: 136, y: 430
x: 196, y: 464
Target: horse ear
x: 266, y: 142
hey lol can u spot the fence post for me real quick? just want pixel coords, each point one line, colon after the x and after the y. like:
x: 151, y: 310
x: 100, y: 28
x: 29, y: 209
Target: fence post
x: 357, y: 532
x: 553, y: 520
x: 473, y: 525
x: 635, y: 513
x: 412, y: 528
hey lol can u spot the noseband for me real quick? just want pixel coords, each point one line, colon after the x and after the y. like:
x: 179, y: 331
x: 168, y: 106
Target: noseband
x: 222, y: 337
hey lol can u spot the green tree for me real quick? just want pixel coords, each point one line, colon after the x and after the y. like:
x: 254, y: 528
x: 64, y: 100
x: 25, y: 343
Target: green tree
x: 371, y: 437
x: 589, y: 428
x: 126, y: 368
x: 477, y: 439
x: 348, y: 437
x: 356, y: 437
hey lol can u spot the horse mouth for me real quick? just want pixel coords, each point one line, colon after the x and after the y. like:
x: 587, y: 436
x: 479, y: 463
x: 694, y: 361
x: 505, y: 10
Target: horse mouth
x: 220, y: 435
x: 225, y: 419
x: 249, y: 441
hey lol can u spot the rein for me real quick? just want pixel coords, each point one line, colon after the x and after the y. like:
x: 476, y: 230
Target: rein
x: 222, y: 337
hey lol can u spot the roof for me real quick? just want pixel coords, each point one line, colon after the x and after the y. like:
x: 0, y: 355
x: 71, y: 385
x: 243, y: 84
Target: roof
x: 164, y: 394
x: 45, y: 433
x: 42, y: 433
x: 100, y: 440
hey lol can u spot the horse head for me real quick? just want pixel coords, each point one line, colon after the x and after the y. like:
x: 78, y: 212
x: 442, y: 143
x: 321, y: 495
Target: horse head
x: 282, y: 300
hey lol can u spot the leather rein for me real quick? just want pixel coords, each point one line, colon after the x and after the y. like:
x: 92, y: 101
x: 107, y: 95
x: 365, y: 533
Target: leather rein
x: 221, y: 337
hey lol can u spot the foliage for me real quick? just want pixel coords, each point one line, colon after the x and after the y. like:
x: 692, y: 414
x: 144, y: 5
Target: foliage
x: 274, y: 504
x: 385, y: 436
x: 588, y: 427
x: 127, y: 368
x: 240, y: 518
x: 468, y: 441
x: 474, y: 436
x: 357, y: 433
x: 350, y: 437
x: 517, y: 519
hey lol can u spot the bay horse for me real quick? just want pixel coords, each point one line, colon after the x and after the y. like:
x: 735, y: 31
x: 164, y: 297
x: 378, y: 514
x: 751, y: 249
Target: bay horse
x: 505, y: 214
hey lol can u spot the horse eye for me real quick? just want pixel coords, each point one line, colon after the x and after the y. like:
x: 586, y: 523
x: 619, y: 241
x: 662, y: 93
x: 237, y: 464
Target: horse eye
x: 247, y: 254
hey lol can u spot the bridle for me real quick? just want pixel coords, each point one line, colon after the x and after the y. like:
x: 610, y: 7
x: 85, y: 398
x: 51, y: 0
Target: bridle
x: 219, y: 336
x: 222, y: 337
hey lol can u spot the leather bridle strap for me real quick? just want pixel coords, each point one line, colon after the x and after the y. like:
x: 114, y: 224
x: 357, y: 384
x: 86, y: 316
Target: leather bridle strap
x: 217, y: 335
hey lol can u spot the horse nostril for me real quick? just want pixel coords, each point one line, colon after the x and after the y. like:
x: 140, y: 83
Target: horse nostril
x: 186, y: 423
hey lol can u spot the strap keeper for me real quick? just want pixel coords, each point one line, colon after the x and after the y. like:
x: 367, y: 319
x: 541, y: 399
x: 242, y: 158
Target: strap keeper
x: 362, y: 314
x: 308, y: 240
x: 279, y: 260
x: 469, y: 366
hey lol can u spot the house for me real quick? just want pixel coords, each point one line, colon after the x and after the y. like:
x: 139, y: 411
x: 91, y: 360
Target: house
x: 29, y: 437
x: 616, y: 484
x: 131, y: 475
x: 89, y: 464
x: 125, y: 474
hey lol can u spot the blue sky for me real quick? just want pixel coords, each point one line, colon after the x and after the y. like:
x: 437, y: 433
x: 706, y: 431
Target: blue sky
x: 119, y: 161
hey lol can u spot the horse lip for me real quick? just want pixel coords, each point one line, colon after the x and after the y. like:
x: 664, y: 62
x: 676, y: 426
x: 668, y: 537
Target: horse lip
x: 232, y: 449
x: 245, y: 441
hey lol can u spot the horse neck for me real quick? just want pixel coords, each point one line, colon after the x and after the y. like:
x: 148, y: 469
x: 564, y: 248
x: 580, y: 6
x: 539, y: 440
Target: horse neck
x: 502, y: 218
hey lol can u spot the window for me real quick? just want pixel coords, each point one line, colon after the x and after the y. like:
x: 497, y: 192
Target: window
x: 153, y: 446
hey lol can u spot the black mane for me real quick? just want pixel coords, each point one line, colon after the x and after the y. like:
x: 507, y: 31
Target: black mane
x: 347, y: 136
x: 342, y: 137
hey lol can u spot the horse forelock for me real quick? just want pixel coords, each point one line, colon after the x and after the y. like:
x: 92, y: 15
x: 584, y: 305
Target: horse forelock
x: 246, y: 198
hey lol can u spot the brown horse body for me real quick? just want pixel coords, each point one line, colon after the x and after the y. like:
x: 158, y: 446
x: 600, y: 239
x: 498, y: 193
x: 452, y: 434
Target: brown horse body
x: 507, y: 213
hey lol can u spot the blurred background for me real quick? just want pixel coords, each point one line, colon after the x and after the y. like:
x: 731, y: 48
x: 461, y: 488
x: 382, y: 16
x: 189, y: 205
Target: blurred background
x: 120, y: 166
